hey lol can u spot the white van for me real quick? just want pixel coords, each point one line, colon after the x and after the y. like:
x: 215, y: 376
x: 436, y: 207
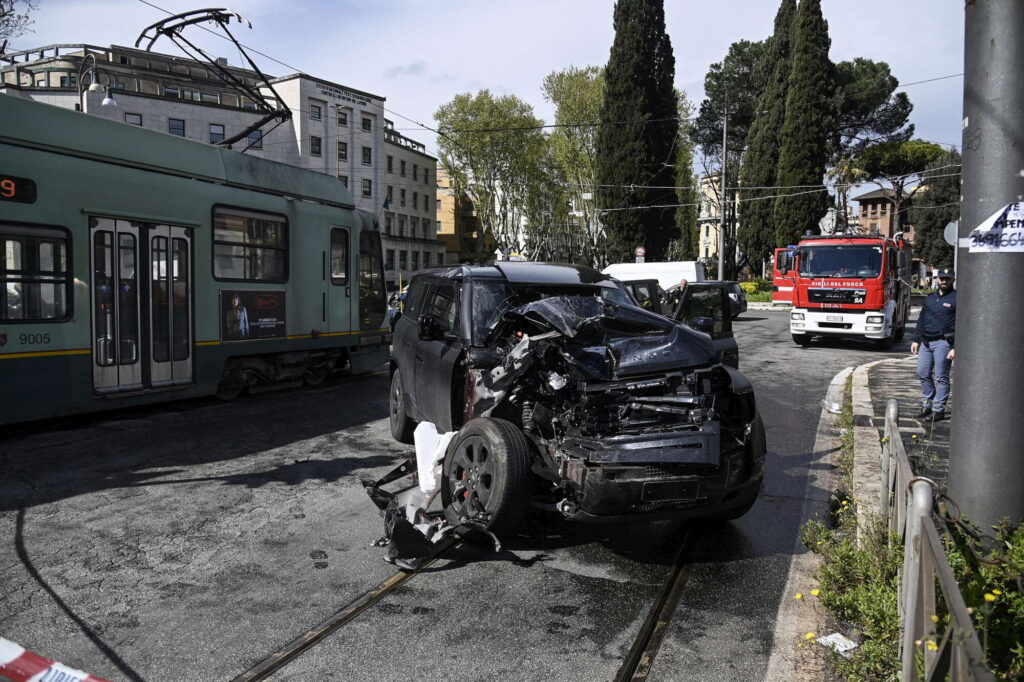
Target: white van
x: 668, y: 274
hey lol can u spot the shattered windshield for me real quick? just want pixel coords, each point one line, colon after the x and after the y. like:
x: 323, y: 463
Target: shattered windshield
x: 491, y: 298
x: 861, y: 261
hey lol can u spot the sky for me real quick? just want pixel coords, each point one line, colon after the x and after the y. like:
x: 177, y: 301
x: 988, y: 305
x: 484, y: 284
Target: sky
x: 418, y: 54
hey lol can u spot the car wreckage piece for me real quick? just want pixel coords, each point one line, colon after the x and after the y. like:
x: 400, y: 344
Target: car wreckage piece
x: 599, y: 411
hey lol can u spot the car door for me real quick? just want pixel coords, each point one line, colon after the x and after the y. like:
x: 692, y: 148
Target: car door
x: 706, y: 306
x: 405, y: 340
x: 435, y: 359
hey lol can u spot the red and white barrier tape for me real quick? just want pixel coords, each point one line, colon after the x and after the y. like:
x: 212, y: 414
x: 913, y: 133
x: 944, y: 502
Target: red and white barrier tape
x: 24, y: 666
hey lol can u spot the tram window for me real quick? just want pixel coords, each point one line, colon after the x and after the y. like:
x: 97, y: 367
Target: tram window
x: 249, y: 246
x: 34, y: 274
x: 339, y: 257
x: 372, y: 297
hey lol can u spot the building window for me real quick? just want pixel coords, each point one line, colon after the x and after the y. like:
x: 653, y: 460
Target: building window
x: 426, y: 203
x: 339, y: 257
x: 343, y: 151
x: 367, y: 123
x: 69, y: 81
x: 133, y: 119
x: 256, y: 139
x: 344, y: 179
x: 249, y: 246
x: 314, y: 145
x: 415, y: 172
x: 171, y: 92
x: 387, y: 223
x: 401, y: 225
x: 415, y: 199
x: 391, y: 193
x: 193, y: 96
x: 426, y: 176
x: 35, y: 275
x: 176, y: 126
x: 248, y: 104
x: 414, y: 226
x: 210, y: 98
x: 401, y: 197
x: 403, y: 259
x: 41, y: 82
x: 401, y: 166
x: 216, y: 132
x: 315, y: 112
x: 415, y: 260
x: 367, y: 187
x: 391, y: 164
x: 439, y: 204
x: 367, y: 156
x: 343, y: 118
x: 389, y: 259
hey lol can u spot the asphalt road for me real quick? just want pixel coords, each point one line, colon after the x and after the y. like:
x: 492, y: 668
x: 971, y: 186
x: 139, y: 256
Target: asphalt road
x: 188, y: 542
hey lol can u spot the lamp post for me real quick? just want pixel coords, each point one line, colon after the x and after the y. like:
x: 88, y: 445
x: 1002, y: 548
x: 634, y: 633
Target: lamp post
x: 94, y: 82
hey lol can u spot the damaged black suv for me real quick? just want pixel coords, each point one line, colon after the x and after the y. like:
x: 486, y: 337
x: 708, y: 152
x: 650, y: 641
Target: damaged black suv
x: 566, y: 396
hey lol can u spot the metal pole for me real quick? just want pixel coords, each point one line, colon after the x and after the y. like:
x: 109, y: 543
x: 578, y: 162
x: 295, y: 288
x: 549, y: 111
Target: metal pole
x: 723, y: 200
x: 986, y: 469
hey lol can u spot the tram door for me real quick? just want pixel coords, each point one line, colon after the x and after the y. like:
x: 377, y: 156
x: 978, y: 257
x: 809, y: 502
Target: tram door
x: 340, y: 311
x: 141, y: 304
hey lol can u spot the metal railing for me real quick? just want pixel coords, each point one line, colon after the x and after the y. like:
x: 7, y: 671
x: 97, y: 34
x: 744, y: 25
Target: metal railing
x: 906, y: 501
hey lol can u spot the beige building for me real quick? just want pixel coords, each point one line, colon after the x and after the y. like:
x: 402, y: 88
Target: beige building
x: 334, y: 129
x: 458, y: 226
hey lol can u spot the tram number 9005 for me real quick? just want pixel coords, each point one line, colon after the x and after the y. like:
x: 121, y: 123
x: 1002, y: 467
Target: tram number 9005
x: 33, y: 339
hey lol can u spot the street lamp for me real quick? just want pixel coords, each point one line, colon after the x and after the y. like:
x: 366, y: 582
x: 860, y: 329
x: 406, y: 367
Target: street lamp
x: 94, y: 82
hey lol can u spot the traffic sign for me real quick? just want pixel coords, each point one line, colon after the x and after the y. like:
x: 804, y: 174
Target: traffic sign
x: 640, y: 252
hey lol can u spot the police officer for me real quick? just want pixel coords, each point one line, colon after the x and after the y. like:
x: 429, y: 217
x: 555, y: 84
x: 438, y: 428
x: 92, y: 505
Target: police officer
x: 933, y: 346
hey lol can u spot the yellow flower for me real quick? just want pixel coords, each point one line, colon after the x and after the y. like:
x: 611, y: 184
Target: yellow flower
x: 798, y: 595
x: 885, y: 440
x: 914, y: 436
x: 997, y: 592
x: 845, y: 502
x: 800, y: 645
x: 809, y: 635
x: 989, y: 597
x: 935, y: 619
x: 932, y: 646
x: 815, y: 592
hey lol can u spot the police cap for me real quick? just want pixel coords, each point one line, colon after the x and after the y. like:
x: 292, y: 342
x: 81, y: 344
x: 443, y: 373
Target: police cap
x: 945, y: 273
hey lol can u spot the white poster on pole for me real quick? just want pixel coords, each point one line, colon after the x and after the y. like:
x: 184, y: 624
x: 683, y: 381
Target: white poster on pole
x: 1002, y: 231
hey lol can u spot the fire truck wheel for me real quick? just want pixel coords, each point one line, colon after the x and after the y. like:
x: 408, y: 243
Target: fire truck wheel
x: 802, y: 339
x: 901, y: 329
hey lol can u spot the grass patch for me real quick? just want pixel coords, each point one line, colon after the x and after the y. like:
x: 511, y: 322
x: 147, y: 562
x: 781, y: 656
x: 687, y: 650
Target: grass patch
x: 859, y: 582
x: 760, y: 297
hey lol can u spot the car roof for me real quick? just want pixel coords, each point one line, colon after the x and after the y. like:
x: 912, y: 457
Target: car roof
x: 523, y: 272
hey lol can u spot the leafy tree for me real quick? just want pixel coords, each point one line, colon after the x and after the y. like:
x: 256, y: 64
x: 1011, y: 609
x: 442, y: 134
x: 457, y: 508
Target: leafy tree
x: 494, y: 151
x: 807, y: 129
x: 637, y: 133
x: 577, y: 95
x: 898, y: 166
x: 869, y: 108
x: 844, y: 175
x: 15, y: 19
x: 733, y: 84
x: 684, y: 244
x: 938, y: 202
x: 756, y: 230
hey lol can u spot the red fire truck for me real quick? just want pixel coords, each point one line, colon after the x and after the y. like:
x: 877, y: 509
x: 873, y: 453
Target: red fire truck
x: 849, y: 286
x: 783, y: 281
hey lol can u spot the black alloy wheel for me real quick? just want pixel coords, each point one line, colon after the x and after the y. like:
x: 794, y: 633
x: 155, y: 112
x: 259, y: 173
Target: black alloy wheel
x: 486, y: 475
x: 401, y: 426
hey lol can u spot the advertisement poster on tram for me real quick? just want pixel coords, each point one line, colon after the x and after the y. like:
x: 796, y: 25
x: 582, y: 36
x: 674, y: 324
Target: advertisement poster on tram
x: 251, y: 315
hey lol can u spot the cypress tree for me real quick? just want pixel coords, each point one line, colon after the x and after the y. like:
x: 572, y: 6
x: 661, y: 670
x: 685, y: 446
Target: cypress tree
x: 807, y: 129
x: 756, y: 230
x: 638, y: 128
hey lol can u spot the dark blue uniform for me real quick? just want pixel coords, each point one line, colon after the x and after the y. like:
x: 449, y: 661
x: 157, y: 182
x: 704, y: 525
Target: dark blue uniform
x: 935, y: 328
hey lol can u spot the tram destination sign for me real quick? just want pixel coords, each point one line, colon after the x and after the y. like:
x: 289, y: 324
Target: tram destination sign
x: 21, y: 190
x: 246, y: 315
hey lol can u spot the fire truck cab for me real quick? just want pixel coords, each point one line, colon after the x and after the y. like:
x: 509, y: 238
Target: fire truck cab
x: 850, y: 286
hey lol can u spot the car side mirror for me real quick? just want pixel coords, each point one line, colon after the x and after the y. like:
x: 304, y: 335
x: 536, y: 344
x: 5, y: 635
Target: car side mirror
x: 702, y: 324
x: 428, y: 328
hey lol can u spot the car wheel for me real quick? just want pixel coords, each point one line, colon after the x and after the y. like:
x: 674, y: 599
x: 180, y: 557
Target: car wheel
x: 486, y: 475
x: 401, y: 426
x: 802, y: 339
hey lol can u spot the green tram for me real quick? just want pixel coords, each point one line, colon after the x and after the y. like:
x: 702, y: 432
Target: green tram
x: 138, y: 267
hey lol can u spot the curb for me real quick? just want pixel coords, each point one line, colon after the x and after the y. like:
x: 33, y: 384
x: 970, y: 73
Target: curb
x: 867, y: 449
x: 797, y: 617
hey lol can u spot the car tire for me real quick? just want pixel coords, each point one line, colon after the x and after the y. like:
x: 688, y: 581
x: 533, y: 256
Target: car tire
x: 486, y: 472
x: 802, y: 339
x: 401, y: 426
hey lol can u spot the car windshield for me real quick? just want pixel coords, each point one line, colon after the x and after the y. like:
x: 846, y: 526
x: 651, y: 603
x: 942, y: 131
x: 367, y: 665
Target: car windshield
x: 491, y: 298
x: 855, y: 261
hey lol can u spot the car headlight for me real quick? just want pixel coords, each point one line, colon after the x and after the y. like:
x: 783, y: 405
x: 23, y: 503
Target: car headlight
x: 875, y: 319
x: 796, y: 316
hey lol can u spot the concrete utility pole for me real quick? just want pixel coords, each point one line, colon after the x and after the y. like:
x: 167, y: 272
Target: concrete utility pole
x: 986, y: 468
x: 723, y: 201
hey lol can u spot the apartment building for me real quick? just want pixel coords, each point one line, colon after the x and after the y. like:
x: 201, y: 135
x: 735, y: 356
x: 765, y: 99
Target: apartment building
x: 334, y: 129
